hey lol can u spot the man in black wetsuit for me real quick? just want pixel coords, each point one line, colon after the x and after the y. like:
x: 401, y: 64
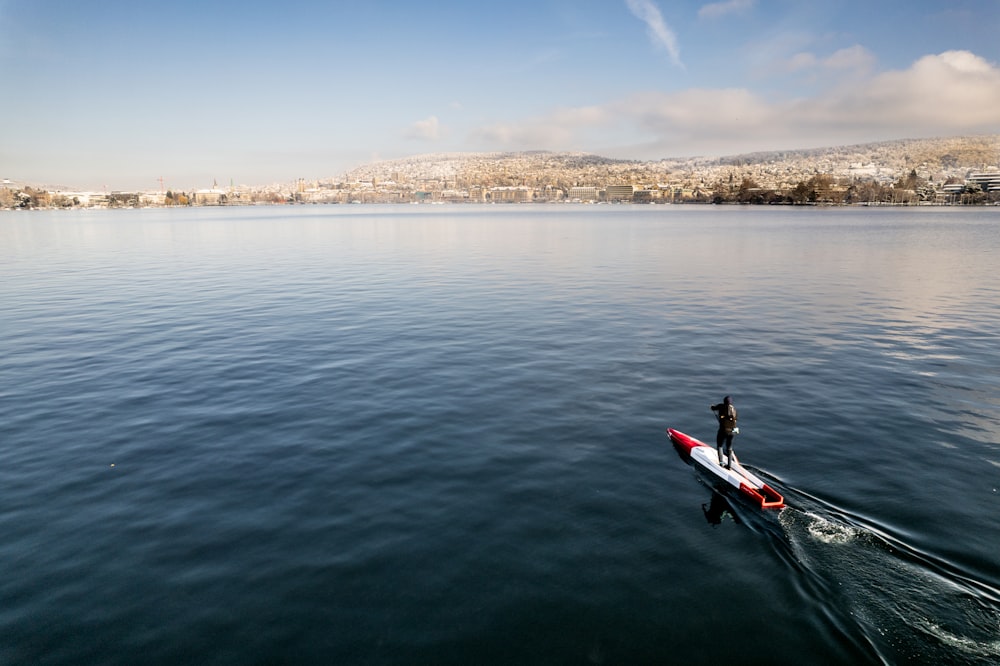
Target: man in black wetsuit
x: 726, y: 413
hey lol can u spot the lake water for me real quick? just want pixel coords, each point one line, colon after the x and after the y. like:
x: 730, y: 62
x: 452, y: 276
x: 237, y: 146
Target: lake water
x: 435, y: 435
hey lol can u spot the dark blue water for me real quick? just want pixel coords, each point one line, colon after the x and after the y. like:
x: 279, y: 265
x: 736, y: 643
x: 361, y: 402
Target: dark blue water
x: 435, y: 435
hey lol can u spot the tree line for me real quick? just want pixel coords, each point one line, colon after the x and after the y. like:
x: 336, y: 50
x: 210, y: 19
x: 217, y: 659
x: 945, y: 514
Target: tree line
x: 826, y: 189
x: 817, y: 189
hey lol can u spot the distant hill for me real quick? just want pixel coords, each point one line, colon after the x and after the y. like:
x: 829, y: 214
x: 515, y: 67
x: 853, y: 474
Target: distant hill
x: 496, y: 169
x: 973, y: 152
x: 942, y: 156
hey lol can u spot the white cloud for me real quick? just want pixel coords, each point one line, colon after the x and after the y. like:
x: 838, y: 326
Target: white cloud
x: 660, y: 32
x: 544, y: 133
x: 802, y: 61
x: 428, y: 129
x: 715, y: 10
x: 955, y: 92
x: 856, y: 60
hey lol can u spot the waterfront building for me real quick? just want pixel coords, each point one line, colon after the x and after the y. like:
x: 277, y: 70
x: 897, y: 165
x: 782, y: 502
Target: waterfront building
x: 510, y: 194
x: 620, y: 192
x: 988, y: 180
x: 213, y: 197
x: 583, y: 193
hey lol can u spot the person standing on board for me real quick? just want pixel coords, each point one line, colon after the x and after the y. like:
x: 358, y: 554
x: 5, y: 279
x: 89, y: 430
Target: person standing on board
x: 726, y: 413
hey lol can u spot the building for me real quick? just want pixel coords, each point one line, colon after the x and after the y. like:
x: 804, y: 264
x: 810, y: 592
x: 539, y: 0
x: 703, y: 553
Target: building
x: 988, y: 180
x: 211, y: 197
x: 583, y: 193
x: 510, y: 194
x: 620, y: 192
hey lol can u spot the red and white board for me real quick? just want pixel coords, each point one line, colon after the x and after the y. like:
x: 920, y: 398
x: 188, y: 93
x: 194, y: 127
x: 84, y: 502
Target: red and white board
x: 706, y: 457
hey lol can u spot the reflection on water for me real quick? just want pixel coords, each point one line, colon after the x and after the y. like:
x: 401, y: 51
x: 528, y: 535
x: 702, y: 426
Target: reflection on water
x: 717, y: 509
x: 347, y: 435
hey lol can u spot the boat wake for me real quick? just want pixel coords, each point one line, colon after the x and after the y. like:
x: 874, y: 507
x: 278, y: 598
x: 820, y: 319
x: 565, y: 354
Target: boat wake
x: 828, y: 532
x: 889, y: 599
x: 907, y: 606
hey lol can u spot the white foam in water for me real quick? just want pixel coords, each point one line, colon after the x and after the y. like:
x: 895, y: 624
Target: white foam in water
x: 969, y: 646
x: 905, y: 608
x: 828, y: 532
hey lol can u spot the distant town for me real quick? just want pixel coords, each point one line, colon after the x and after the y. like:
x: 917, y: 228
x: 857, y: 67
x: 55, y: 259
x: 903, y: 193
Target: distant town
x: 945, y: 171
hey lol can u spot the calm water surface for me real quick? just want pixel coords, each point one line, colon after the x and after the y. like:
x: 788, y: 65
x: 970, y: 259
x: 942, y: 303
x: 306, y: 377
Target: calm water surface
x: 435, y: 435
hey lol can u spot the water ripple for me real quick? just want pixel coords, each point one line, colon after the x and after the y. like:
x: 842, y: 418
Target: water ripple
x: 332, y: 435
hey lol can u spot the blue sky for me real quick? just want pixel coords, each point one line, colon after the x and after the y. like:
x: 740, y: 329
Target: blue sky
x: 107, y: 93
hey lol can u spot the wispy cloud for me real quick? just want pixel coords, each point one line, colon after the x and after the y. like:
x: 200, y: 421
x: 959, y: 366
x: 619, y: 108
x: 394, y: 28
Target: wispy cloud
x: 659, y: 31
x: 954, y: 92
x: 715, y: 10
x: 428, y: 129
x: 854, y: 59
x: 558, y: 130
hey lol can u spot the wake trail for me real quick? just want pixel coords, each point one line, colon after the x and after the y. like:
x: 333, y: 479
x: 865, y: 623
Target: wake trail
x: 910, y: 605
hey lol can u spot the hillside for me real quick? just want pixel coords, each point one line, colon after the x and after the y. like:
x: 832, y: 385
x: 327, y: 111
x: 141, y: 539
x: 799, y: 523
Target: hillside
x: 937, y: 158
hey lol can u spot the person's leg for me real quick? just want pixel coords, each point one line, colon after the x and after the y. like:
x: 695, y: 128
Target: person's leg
x: 720, y: 440
x: 729, y: 450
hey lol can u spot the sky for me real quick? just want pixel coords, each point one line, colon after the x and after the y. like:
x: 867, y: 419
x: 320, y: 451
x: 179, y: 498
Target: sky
x: 118, y: 94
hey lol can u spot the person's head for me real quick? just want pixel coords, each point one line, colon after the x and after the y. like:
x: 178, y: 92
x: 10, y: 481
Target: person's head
x: 727, y: 400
